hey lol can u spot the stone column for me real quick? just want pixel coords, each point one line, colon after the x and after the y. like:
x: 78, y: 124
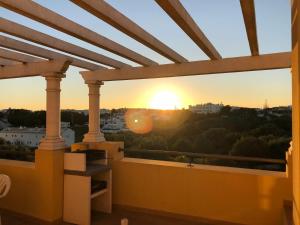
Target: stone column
x: 53, y: 140
x: 94, y: 134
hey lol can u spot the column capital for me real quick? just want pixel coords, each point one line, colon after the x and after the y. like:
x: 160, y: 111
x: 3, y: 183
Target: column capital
x: 95, y: 82
x: 54, y: 75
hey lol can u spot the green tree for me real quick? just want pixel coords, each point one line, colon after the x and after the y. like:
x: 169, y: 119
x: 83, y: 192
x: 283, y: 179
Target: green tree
x: 221, y: 140
x: 203, y: 145
x: 251, y: 147
x: 153, y: 142
x: 267, y: 129
x: 278, y: 147
x: 183, y: 145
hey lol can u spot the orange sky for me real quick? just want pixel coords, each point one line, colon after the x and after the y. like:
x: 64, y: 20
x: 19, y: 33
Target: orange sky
x: 241, y: 89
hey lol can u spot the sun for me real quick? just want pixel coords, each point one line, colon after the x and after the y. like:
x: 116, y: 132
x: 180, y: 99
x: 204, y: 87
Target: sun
x: 165, y: 100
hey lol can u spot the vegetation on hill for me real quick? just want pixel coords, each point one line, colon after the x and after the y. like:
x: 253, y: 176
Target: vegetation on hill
x: 236, y: 132
x: 232, y: 132
x: 15, y: 152
x: 28, y: 118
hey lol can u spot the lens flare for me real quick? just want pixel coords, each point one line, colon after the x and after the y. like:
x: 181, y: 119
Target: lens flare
x: 139, y: 121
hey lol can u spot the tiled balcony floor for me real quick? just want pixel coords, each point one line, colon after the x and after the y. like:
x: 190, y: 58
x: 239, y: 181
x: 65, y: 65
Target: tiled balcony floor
x: 138, y: 218
x: 134, y: 218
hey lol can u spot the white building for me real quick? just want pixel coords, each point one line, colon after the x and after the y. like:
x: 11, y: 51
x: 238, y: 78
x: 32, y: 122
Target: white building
x: 206, y: 108
x: 114, y: 124
x: 32, y: 136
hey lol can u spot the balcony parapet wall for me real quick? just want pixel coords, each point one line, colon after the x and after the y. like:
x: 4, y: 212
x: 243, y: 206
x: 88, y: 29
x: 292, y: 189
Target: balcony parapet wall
x: 214, y: 193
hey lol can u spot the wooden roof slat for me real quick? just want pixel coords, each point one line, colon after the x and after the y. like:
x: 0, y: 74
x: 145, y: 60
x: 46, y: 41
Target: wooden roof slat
x: 43, y: 15
x: 107, y: 13
x: 16, y: 56
x: 8, y: 62
x: 248, y: 9
x: 34, y: 69
x: 183, y: 19
x: 29, y: 34
x: 227, y: 65
x: 11, y: 43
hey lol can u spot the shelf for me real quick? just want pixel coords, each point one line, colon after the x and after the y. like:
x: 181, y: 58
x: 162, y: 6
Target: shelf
x: 96, y: 194
x: 91, y: 155
x: 91, y: 170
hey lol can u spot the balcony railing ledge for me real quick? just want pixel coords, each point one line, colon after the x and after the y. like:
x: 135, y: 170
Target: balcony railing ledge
x: 16, y: 163
x: 223, y: 169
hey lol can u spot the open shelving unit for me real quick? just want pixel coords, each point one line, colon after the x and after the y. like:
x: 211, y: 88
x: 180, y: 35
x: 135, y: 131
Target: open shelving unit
x: 96, y: 194
x: 87, y: 185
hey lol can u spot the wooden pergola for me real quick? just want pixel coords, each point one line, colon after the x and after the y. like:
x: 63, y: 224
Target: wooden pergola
x: 119, y: 70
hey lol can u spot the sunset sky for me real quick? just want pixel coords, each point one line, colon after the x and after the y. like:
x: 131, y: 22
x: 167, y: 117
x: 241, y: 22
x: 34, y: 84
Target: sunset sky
x: 220, y: 20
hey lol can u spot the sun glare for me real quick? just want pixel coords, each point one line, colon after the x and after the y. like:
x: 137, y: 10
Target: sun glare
x: 165, y: 100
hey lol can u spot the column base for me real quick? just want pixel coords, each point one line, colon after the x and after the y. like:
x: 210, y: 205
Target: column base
x: 52, y: 144
x: 90, y: 137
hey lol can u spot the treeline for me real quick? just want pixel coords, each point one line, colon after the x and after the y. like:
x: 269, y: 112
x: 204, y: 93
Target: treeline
x: 239, y: 132
x: 27, y: 118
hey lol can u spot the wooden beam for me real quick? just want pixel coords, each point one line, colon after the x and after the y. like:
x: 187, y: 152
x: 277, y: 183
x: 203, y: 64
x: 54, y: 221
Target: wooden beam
x: 248, y: 10
x: 29, y: 34
x: 107, y: 13
x: 16, y: 56
x: 44, y: 53
x: 8, y: 62
x: 228, y: 65
x: 34, y: 69
x: 43, y: 15
x: 183, y: 19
